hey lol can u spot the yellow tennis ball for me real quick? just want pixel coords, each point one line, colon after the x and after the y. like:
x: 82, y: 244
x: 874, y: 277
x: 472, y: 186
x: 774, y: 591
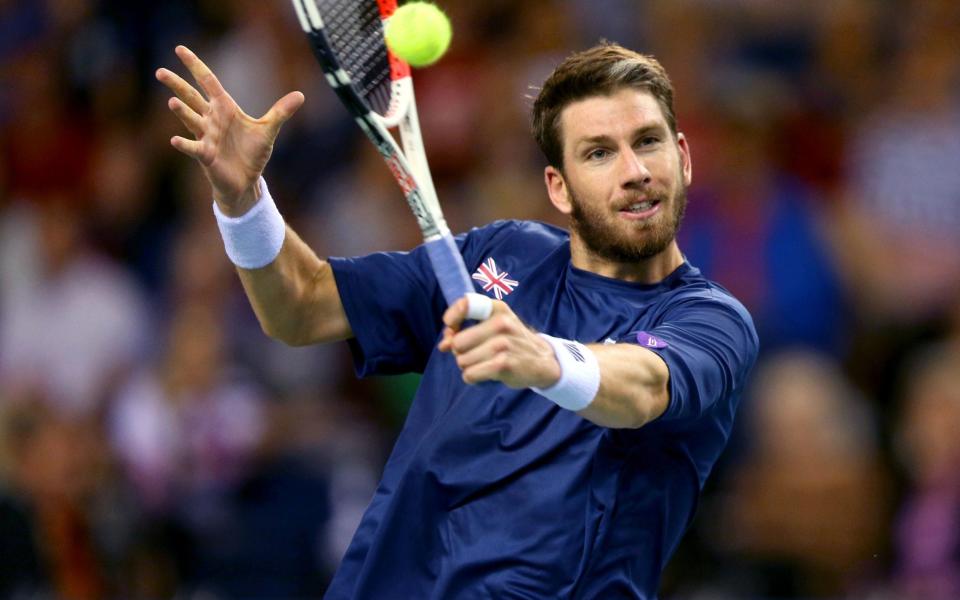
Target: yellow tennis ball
x: 419, y: 33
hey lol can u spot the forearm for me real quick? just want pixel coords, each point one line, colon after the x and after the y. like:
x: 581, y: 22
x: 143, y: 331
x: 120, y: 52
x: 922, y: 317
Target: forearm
x: 295, y: 297
x: 633, y: 387
x: 615, y: 385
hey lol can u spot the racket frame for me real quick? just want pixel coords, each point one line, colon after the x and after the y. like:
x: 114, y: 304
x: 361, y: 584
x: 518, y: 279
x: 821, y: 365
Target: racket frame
x: 408, y: 166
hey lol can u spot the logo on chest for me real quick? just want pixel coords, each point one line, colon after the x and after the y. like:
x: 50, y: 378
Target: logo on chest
x: 494, y: 280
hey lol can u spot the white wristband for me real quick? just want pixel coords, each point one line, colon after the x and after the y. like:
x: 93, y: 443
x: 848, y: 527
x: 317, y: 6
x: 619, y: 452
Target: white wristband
x: 579, y: 375
x: 253, y: 239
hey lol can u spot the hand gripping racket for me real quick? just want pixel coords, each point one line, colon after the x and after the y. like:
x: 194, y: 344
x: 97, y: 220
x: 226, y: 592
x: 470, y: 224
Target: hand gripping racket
x: 376, y: 87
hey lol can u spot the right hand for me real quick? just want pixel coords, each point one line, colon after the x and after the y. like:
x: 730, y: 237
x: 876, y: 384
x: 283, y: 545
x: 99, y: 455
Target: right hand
x: 232, y: 147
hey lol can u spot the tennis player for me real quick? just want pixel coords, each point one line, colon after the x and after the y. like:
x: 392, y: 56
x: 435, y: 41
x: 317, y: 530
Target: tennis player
x: 556, y: 449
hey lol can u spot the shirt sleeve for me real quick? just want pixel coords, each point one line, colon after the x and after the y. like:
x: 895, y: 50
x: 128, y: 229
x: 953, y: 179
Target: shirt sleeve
x: 709, y: 344
x: 395, y: 305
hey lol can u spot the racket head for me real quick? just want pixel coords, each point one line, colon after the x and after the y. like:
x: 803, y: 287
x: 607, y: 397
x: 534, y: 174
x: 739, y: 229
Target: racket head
x: 347, y: 37
x: 348, y: 41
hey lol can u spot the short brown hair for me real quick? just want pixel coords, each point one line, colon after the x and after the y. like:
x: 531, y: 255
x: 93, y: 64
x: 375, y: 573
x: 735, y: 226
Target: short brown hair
x: 598, y: 71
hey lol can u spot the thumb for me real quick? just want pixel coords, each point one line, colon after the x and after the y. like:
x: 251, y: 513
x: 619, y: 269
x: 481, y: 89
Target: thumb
x: 283, y: 109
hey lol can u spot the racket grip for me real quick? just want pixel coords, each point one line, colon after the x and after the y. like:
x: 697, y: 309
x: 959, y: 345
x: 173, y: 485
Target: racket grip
x: 449, y: 268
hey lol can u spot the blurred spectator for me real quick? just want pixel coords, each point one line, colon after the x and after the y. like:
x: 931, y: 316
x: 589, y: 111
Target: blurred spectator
x: 71, y: 321
x: 360, y: 210
x: 896, y: 233
x: 850, y: 40
x: 757, y: 231
x: 23, y: 570
x: 190, y: 424
x: 927, y: 528
x: 901, y: 242
x: 248, y: 59
x: 56, y: 467
x: 191, y: 434
x: 127, y: 221
x: 804, y: 510
x: 46, y: 147
x: 194, y: 273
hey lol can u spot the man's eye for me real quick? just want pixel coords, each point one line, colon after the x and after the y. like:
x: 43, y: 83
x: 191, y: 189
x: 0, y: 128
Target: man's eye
x: 598, y: 154
x: 649, y: 140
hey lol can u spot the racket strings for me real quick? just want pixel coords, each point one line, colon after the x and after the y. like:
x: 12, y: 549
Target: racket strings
x: 355, y: 32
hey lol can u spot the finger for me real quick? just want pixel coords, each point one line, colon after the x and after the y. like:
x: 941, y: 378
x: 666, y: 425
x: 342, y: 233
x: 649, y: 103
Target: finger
x: 471, y: 337
x: 473, y: 306
x: 201, y: 73
x: 455, y: 314
x: 494, y: 369
x: 186, y: 92
x: 446, y: 344
x: 192, y: 148
x: 502, y: 321
x: 187, y: 116
x: 487, y: 350
x: 283, y: 109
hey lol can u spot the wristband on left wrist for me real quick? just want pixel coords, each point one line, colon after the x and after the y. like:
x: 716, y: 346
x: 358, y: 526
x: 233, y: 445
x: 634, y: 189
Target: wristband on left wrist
x: 579, y: 375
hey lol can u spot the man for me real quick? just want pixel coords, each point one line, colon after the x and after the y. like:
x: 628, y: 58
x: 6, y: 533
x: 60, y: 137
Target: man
x: 530, y: 466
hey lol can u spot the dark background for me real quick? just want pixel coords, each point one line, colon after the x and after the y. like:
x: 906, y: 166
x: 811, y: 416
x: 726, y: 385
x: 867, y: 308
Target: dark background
x: 153, y: 441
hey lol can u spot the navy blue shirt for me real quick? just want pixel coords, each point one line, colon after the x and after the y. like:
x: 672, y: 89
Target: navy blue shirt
x: 492, y: 492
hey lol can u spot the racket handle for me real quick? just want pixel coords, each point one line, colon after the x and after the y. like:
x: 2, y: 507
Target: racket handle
x: 449, y: 268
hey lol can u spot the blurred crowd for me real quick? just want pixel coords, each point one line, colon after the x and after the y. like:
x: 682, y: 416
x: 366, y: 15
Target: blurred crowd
x: 154, y: 443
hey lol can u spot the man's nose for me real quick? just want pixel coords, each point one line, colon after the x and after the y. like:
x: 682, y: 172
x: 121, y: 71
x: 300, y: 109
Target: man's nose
x: 633, y: 170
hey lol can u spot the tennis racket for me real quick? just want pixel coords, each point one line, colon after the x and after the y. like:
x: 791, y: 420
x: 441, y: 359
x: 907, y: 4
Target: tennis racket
x: 376, y: 87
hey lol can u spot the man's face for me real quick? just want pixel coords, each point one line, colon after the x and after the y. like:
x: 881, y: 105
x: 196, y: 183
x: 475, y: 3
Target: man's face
x: 624, y: 178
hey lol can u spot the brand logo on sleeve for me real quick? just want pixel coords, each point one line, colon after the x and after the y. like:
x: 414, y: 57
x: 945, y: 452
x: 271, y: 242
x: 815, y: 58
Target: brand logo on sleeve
x: 575, y: 351
x: 648, y: 341
x: 494, y: 280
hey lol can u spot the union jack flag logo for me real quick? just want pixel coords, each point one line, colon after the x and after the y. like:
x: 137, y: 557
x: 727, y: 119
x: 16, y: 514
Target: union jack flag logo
x: 492, y: 279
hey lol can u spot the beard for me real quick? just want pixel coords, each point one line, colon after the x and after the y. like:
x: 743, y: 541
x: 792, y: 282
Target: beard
x: 621, y: 241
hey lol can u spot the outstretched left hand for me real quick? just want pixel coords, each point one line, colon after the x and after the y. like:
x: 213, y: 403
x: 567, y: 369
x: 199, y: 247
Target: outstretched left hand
x: 501, y: 348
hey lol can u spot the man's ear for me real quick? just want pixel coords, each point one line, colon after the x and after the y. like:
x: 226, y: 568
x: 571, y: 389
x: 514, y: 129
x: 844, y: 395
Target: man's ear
x: 557, y: 189
x: 686, y: 160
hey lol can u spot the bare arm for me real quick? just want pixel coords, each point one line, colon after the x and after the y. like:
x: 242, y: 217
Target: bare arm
x: 295, y: 297
x: 633, y: 386
x: 633, y: 380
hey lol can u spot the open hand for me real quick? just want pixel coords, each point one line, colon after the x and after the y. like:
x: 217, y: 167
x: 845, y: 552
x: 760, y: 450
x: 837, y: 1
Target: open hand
x: 501, y: 348
x: 232, y: 147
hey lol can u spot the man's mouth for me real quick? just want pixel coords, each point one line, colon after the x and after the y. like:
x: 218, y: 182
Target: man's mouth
x: 643, y: 209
